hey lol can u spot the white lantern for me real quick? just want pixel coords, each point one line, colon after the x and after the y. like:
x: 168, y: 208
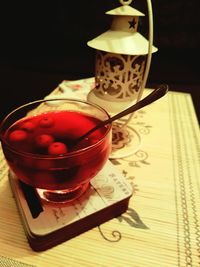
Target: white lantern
x: 123, y: 59
x: 121, y: 55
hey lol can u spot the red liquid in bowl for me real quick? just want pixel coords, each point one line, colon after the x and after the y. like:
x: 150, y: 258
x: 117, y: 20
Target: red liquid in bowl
x: 38, y: 153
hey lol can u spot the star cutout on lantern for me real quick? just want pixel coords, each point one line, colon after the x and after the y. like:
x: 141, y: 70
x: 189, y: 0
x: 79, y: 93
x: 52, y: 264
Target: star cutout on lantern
x: 132, y: 23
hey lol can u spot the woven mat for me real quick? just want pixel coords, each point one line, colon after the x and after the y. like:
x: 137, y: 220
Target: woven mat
x: 162, y: 224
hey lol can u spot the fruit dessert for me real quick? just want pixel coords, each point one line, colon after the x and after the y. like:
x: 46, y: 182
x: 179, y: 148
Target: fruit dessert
x: 38, y: 149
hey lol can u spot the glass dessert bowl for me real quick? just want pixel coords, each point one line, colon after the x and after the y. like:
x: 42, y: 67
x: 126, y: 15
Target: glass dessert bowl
x: 36, y: 140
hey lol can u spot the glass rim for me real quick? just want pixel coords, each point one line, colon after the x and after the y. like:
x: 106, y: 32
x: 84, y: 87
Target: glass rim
x: 40, y: 101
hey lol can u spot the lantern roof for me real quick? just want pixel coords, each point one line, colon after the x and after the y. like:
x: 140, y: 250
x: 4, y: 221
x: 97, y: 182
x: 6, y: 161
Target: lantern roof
x: 120, y: 42
x: 125, y: 11
x: 122, y: 37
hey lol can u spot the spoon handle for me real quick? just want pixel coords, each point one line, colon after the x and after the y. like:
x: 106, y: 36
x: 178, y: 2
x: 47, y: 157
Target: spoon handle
x: 153, y: 96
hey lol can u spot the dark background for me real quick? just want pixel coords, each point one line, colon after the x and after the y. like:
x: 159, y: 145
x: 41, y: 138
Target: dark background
x: 43, y: 43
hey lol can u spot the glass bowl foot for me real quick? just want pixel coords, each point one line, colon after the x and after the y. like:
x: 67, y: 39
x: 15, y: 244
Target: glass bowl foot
x: 62, y: 196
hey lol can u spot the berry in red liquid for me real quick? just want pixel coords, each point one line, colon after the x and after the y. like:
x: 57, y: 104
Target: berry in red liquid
x: 17, y: 136
x: 27, y: 126
x: 46, y: 121
x: 44, y: 140
x: 57, y: 148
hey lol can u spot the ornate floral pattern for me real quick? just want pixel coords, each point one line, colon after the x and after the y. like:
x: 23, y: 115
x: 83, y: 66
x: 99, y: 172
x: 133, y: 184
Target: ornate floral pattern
x: 118, y: 77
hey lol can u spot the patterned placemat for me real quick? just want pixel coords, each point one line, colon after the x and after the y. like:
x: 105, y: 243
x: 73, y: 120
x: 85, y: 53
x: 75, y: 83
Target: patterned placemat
x: 7, y: 262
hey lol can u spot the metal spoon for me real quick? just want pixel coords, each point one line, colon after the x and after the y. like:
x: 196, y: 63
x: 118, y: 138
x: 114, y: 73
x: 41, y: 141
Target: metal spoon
x: 153, y: 96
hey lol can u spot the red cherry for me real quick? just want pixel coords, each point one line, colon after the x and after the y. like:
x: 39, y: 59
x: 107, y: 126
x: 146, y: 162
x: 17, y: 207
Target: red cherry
x: 44, y: 140
x: 57, y: 148
x: 46, y: 122
x: 17, y: 136
x: 28, y: 126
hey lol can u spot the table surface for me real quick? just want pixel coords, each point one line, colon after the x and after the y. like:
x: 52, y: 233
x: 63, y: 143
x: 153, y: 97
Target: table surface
x: 162, y: 224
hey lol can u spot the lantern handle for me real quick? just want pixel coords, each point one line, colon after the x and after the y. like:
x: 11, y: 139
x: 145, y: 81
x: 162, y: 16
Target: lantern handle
x: 150, y: 45
x: 125, y: 2
x: 149, y: 57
